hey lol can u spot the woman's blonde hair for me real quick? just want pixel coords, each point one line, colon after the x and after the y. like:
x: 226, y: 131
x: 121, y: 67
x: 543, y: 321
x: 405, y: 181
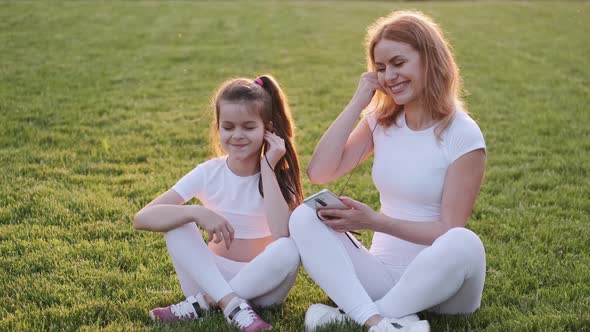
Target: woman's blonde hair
x: 441, y: 92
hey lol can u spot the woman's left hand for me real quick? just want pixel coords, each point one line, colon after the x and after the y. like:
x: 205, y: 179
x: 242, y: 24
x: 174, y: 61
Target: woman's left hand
x: 276, y: 148
x: 359, y: 216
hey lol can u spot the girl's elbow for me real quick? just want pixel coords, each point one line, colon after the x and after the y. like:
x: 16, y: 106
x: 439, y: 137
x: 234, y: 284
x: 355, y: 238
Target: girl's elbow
x: 139, y: 222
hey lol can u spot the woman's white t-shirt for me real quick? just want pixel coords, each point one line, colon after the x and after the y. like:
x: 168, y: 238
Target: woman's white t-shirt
x: 236, y: 198
x: 409, y: 170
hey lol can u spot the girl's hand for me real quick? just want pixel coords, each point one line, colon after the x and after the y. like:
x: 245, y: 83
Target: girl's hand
x: 276, y: 148
x: 217, y: 228
x: 368, y: 84
x: 359, y: 216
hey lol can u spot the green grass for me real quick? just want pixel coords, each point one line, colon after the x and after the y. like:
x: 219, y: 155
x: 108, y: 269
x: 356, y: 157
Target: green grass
x: 105, y: 105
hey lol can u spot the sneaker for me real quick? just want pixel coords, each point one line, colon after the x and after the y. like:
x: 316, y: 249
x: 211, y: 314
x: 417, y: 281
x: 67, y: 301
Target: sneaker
x: 243, y: 316
x: 318, y: 315
x: 396, y: 325
x: 191, y: 308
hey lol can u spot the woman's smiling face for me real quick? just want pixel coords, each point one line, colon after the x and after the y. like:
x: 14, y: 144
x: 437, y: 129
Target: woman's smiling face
x: 399, y: 70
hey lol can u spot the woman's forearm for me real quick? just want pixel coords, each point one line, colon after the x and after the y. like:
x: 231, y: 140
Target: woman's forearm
x: 423, y: 233
x: 277, y: 209
x: 164, y: 217
x: 328, y: 153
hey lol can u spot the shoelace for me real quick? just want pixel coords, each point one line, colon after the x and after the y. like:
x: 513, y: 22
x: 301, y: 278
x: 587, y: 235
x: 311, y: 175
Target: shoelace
x: 183, y: 309
x: 245, y: 316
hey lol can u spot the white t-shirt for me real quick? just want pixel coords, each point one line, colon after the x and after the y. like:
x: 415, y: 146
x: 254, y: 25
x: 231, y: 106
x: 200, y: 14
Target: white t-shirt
x: 236, y: 198
x: 409, y: 170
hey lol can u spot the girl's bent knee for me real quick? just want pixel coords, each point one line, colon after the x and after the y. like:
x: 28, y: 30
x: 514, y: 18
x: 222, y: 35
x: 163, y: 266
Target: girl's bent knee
x: 183, y: 230
x: 286, y: 253
x: 285, y: 256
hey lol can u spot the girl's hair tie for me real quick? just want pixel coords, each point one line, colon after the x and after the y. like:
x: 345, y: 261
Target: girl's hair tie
x: 258, y: 81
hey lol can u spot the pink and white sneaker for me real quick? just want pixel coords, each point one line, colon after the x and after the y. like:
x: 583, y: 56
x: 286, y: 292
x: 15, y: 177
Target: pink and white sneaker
x: 191, y: 308
x: 243, y: 316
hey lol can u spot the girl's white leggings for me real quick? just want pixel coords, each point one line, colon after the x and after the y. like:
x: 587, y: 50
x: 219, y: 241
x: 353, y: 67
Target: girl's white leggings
x: 264, y: 281
x: 446, y: 277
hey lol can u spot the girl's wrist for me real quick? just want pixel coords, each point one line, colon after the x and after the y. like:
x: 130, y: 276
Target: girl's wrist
x: 273, y: 159
x: 197, y: 212
x: 268, y: 163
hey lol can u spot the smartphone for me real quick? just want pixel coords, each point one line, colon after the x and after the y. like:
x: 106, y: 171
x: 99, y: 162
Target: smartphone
x: 325, y: 199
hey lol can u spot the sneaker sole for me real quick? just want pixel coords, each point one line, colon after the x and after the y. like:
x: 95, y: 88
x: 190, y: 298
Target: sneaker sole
x: 311, y: 328
x: 419, y: 326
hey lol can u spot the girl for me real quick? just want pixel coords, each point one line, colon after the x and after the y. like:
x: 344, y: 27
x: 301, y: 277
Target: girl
x: 247, y: 197
x: 429, y: 160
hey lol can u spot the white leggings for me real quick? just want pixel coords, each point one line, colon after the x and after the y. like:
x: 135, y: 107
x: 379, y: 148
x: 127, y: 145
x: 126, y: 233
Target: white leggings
x: 447, y: 277
x: 264, y: 281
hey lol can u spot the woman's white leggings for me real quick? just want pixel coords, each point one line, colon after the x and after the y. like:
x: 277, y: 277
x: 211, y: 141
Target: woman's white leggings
x: 446, y: 277
x: 264, y: 281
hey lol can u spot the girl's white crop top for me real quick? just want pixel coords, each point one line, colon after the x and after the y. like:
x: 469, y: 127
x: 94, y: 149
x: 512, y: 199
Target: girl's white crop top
x: 233, y: 197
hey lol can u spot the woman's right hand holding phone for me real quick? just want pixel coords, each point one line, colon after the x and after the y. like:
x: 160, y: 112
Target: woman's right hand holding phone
x: 357, y: 216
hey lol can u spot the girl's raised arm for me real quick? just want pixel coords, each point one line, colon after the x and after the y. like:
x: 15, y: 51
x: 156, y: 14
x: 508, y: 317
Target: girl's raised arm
x: 277, y: 209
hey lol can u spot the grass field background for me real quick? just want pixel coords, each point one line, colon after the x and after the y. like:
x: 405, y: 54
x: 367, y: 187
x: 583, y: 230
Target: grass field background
x: 105, y: 105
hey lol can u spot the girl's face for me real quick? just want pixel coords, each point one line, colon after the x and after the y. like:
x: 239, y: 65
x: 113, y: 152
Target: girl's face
x: 399, y: 70
x: 241, y: 131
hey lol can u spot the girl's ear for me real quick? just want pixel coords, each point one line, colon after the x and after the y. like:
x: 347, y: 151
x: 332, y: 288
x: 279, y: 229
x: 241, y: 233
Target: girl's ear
x: 270, y: 126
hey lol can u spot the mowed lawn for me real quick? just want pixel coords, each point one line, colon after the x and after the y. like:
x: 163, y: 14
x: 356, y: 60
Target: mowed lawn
x: 103, y: 106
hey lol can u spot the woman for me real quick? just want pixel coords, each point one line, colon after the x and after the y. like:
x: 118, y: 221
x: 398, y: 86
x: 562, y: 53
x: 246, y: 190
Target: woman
x: 429, y: 161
